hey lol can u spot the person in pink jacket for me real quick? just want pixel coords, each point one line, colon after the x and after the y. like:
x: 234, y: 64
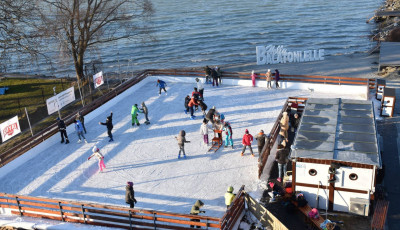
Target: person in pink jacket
x: 253, y: 78
x: 96, y: 153
x: 246, y: 141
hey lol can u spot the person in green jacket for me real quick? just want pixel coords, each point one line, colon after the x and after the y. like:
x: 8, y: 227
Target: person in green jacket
x: 196, y: 210
x: 229, y: 196
x: 134, y: 115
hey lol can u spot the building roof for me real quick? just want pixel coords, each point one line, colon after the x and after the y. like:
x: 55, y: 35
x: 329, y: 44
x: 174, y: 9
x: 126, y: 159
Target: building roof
x: 337, y: 129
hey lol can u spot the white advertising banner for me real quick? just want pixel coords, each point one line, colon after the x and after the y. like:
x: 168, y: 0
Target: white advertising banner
x: 278, y: 54
x: 10, y: 128
x: 60, y: 100
x: 98, y: 79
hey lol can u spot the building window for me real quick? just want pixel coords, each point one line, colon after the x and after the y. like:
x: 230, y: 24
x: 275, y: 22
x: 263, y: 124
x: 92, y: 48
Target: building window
x: 312, y: 172
x: 353, y: 176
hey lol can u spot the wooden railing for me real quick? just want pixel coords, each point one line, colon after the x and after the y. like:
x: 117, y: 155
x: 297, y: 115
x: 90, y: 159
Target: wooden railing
x: 234, y: 211
x: 273, y: 135
x: 102, y: 215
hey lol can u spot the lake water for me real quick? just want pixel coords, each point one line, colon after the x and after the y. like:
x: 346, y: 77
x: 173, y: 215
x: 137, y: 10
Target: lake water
x: 198, y: 33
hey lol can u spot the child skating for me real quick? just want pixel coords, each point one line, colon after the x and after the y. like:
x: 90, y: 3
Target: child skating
x: 228, y: 135
x: 181, y: 143
x: 79, y: 130
x: 145, y: 111
x: 204, y: 131
x: 134, y: 114
x: 161, y: 84
x: 100, y: 157
x: 246, y: 141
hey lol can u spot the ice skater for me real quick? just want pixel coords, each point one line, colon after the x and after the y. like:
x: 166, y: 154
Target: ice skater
x: 207, y: 71
x: 145, y: 111
x: 268, y: 75
x: 63, y: 130
x: 261, y: 139
x: 130, y: 194
x: 196, y: 96
x: 204, y: 131
x: 246, y: 141
x: 277, y: 78
x: 187, y: 100
x: 134, y: 113
x: 253, y: 78
x: 109, y: 126
x: 181, y: 143
x: 100, y: 157
x: 161, y: 84
x: 203, y: 107
x: 79, y: 131
x: 192, y: 103
x: 228, y: 135
x: 200, y: 87
x: 210, y: 114
x: 80, y: 118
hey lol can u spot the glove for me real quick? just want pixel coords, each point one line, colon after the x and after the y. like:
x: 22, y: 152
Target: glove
x: 88, y: 158
x: 102, y: 157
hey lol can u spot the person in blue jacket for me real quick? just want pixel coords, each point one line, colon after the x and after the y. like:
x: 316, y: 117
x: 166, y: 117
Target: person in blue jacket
x: 228, y: 135
x: 79, y: 130
x: 161, y: 84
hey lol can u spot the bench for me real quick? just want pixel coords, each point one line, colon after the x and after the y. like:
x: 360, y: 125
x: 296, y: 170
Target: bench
x: 305, y: 210
x: 380, y: 213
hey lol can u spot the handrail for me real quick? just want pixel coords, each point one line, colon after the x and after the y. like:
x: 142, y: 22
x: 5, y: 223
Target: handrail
x: 102, y: 215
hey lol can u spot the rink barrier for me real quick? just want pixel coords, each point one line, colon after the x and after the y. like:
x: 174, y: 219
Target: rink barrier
x: 266, y: 151
x: 46, y: 133
x: 101, y: 215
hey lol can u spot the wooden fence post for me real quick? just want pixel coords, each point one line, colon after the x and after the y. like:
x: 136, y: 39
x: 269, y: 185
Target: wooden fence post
x: 130, y: 219
x: 19, y: 206
x: 61, y: 213
x: 83, y: 213
x: 155, y: 225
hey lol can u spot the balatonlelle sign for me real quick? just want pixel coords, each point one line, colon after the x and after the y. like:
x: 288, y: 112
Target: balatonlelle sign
x: 277, y: 54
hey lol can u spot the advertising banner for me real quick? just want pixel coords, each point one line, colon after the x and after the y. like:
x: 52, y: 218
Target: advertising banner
x: 278, y: 54
x: 60, y: 100
x: 98, y: 79
x: 10, y: 128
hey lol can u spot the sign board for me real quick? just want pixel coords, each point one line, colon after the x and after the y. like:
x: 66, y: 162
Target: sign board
x: 10, y: 128
x: 60, y: 100
x: 98, y: 79
x: 277, y: 54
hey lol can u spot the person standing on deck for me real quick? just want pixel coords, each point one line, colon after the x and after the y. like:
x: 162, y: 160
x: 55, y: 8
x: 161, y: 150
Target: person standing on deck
x: 282, y: 159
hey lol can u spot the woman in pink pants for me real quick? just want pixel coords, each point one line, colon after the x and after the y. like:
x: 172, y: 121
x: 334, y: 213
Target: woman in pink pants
x: 96, y: 153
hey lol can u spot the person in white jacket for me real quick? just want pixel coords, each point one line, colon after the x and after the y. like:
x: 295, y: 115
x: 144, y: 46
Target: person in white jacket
x: 96, y: 153
x: 200, y: 87
x: 204, y: 131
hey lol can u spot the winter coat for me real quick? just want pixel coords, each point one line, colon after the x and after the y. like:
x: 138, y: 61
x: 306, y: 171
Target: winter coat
x: 247, y: 139
x: 228, y: 131
x: 78, y: 126
x: 61, y: 125
x: 282, y: 156
x: 108, y: 122
x: 80, y: 118
x: 203, y: 106
x: 192, y: 102
x: 294, y: 122
x: 284, y: 122
x: 277, y: 76
x: 161, y: 84
x: 181, y: 138
x: 210, y: 114
x: 207, y: 70
x: 269, y: 76
x: 253, y: 77
x: 196, y: 207
x: 261, y: 137
x: 187, y: 99
x: 214, y: 74
x: 229, y: 198
x: 134, y: 110
x: 129, y: 194
x: 200, y: 85
x: 144, y: 109
x: 204, y: 129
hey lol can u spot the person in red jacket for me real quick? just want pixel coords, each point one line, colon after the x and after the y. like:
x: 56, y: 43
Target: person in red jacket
x: 192, y: 103
x: 246, y: 141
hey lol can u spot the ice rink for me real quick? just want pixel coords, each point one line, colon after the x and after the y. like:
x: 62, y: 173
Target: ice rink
x: 147, y: 155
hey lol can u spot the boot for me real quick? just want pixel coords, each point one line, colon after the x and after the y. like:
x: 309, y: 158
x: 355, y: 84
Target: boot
x: 241, y: 154
x: 67, y: 141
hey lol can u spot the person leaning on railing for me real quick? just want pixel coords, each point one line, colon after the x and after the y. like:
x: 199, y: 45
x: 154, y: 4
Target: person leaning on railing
x: 196, y: 210
x: 229, y: 196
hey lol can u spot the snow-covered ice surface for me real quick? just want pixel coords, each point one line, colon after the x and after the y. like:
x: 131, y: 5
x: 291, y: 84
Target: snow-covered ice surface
x: 147, y: 155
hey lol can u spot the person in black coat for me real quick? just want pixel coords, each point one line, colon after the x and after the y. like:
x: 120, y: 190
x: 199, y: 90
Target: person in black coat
x: 295, y: 121
x: 187, y: 99
x: 214, y: 76
x: 130, y: 195
x: 210, y: 115
x: 63, y: 130
x: 109, y: 125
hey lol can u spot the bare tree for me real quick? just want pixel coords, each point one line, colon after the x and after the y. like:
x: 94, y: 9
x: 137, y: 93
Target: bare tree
x: 82, y: 24
x: 17, y: 32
